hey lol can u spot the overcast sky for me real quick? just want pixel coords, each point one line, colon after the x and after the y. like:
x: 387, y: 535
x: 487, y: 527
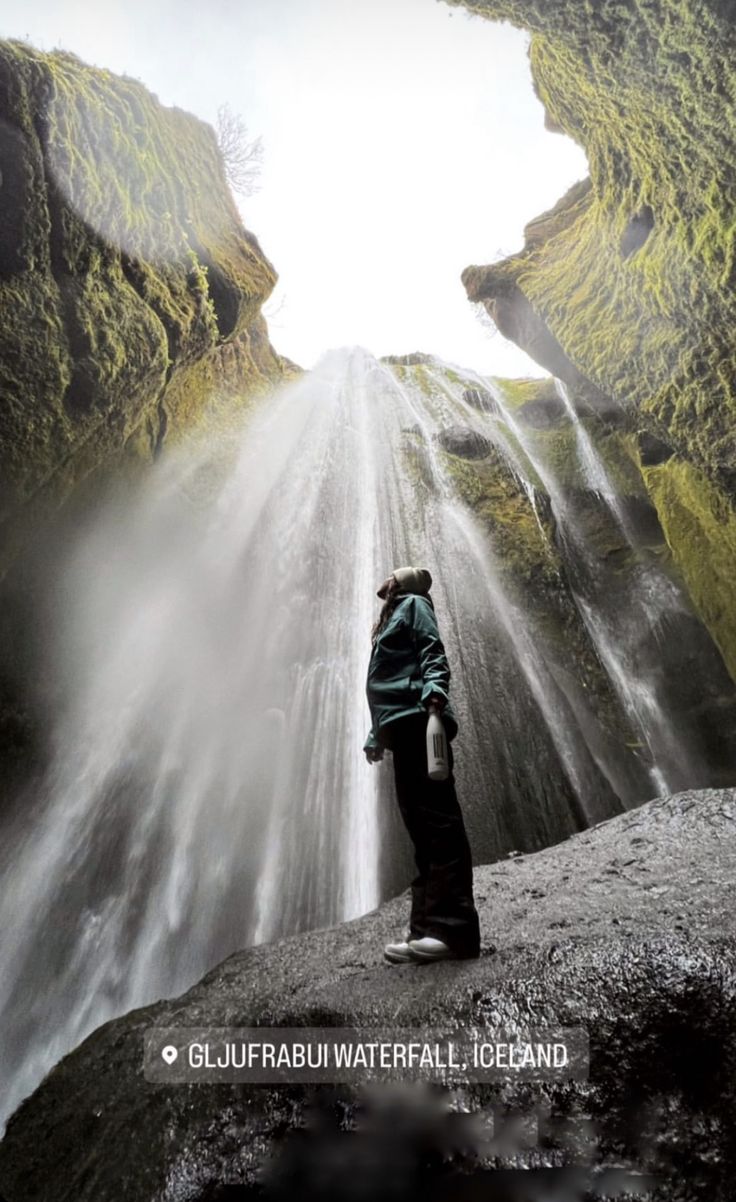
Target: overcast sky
x: 403, y: 141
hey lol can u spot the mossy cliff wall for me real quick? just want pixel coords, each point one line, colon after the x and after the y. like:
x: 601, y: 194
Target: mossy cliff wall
x: 130, y: 290
x: 626, y: 287
x: 577, y: 560
x: 131, y: 298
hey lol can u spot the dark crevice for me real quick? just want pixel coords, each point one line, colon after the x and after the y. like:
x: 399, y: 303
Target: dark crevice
x: 637, y: 231
x: 653, y: 450
x: 133, y: 273
x: 163, y: 419
x: 225, y: 299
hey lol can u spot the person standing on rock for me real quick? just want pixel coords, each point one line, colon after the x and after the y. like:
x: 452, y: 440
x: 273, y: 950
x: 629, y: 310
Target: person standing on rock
x: 408, y: 675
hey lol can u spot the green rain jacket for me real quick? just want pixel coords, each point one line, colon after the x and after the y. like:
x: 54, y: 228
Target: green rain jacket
x: 407, y: 665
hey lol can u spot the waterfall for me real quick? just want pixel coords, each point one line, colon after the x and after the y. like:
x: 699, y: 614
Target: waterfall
x: 207, y: 788
x: 627, y: 630
x: 654, y: 598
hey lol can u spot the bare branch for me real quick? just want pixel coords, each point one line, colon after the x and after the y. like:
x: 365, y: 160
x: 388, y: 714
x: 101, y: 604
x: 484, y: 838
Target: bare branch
x: 242, y: 156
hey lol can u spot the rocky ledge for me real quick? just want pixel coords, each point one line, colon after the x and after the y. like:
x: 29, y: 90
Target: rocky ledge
x: 626, y: 929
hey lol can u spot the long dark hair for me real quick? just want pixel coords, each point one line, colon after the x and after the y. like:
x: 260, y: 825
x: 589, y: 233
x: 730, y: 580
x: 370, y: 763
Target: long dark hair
x: 393, y: 596
x: 389, y: 605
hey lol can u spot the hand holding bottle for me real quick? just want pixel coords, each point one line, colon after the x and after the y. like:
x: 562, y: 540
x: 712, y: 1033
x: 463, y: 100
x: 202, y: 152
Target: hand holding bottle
x: 438, y: 766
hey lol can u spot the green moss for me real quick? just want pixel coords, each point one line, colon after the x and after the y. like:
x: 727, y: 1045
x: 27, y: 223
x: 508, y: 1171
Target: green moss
x: 520, y: 392
x: 526, y: 557
x: 215, y: 392
x: 557, y: 447
x: 521, y: 532
x: 416, y: 374
x: 522, y: 540
x: 634, y: 275
x: 123, y: 266
x: 648, y: 89
x: 647, y: 327
x: 700, y: 527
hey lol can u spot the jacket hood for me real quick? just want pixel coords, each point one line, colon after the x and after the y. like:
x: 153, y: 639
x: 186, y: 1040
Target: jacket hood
x: 410, y: 580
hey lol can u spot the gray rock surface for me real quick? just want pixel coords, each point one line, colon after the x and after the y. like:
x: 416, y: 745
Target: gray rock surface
x: 463, y: 441
x: 627, y: 929
x: 481, y: 398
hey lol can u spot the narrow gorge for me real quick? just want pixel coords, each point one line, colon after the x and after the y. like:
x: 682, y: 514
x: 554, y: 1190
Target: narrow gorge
x: 192, y: 530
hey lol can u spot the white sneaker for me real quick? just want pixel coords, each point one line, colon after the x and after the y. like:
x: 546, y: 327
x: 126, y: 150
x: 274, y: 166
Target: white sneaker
x: 429, y: 948
x: 398, y: 953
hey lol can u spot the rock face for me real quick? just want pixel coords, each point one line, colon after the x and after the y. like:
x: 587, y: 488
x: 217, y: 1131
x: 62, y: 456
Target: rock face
x: 131, y: 297
x: 462, y: 441
x: 627, y: 929
x: 409, y: 360
x: 561, y: 545
x: 625, y: 288
x: 480, y: 398
x: 130, y: 289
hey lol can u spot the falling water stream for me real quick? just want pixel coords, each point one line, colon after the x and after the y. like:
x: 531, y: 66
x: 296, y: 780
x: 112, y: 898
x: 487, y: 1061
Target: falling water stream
x: 208, y: 788
x: 653, y: 599
x: 619, y: 627
x: 619, y: 631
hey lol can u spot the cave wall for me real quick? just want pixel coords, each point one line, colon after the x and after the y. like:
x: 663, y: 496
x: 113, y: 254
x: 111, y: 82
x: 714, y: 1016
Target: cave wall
x: 131, y: 292
x: 131, y: 299
x: 625, y: 289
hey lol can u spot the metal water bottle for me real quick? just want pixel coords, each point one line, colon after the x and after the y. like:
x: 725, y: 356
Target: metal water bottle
x: 438, y: 765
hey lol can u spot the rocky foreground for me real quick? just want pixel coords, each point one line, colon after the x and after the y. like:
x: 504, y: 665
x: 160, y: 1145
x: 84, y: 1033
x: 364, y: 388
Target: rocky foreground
x: 626, y: 929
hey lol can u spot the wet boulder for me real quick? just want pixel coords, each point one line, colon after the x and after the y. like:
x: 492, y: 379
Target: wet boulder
x: 464, y: 442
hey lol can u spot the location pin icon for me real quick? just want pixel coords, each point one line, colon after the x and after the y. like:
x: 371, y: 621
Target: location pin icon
x: 169, y: 1053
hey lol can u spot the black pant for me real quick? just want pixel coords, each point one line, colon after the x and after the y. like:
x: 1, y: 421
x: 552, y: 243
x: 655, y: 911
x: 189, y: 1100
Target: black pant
x: 442, y: 893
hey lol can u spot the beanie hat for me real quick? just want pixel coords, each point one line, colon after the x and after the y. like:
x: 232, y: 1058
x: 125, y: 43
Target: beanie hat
x: 410, y: 580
